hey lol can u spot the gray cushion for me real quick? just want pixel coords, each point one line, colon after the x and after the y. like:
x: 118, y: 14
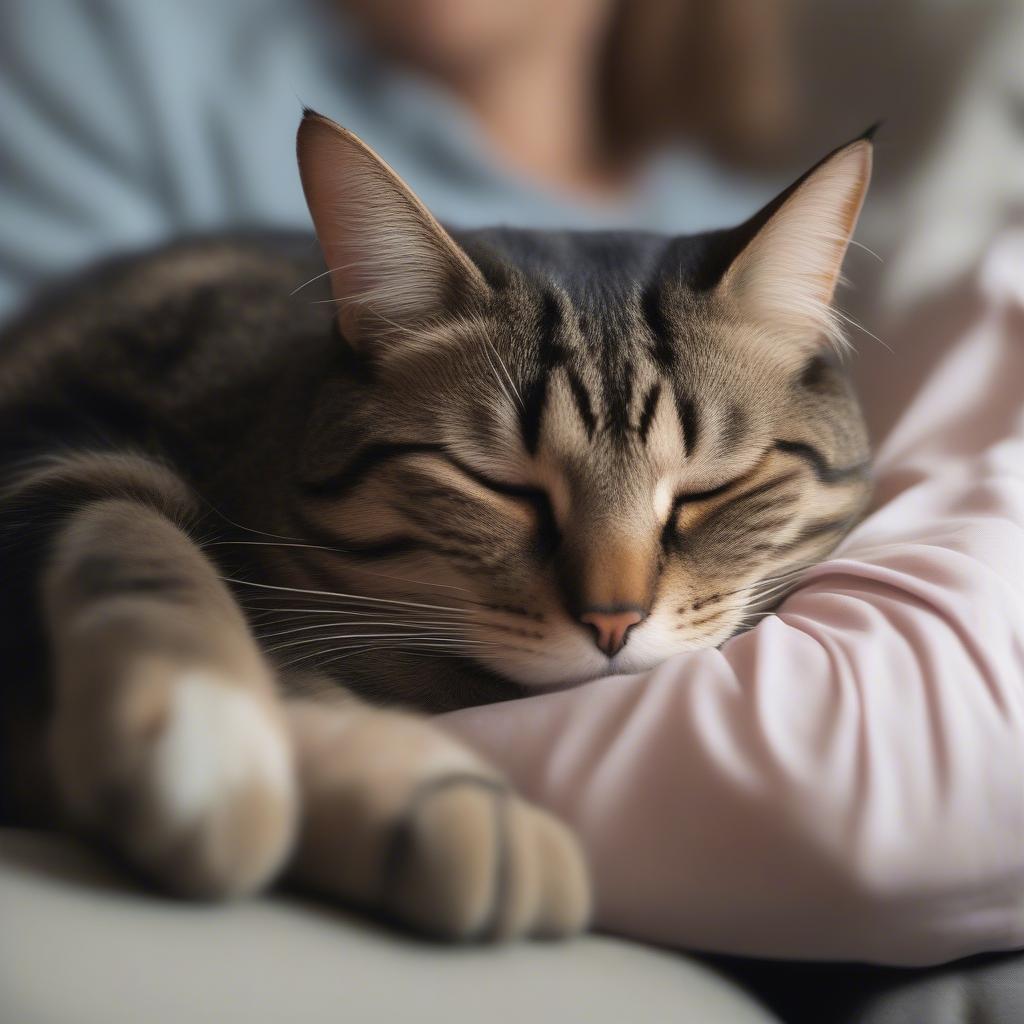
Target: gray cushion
x: 80, y: 945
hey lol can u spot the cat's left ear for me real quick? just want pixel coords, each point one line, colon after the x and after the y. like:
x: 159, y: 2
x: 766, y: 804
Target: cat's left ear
x: 391, y: 264
x: 786, y: 273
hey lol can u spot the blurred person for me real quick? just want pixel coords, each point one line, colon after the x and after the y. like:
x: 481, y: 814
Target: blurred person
x: 124, y: 123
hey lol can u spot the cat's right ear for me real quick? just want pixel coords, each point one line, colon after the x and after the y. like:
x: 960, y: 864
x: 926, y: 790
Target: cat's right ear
x: 789, y: 267
x: 392, y: 266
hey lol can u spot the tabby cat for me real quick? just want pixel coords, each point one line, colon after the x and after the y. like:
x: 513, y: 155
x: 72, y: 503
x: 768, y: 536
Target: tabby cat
x: 248, y: 524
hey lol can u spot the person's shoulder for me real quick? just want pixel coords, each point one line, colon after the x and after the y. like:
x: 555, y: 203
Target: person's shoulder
x: 90, y: 42
x: 78, y: 29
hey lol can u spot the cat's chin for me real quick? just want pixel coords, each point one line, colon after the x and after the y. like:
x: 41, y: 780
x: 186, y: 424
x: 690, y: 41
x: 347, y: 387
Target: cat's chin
x: 540, y: 673
x: 569, y: 658
x: 556, y: 672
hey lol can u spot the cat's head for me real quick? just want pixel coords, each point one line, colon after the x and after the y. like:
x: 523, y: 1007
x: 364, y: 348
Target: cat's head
x: 571, y: 454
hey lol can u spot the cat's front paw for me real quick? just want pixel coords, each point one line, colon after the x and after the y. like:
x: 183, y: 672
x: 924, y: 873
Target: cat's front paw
x: 186, y: 772
x: 401, y: 819
x: 471, y: 860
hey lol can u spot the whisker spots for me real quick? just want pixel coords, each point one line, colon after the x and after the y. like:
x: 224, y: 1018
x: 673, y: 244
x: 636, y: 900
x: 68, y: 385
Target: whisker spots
x: 699, y: 603
x: 708, y: 619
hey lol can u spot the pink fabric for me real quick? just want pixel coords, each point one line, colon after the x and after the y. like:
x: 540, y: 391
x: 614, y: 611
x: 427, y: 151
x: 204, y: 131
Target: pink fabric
x: 846, y: 780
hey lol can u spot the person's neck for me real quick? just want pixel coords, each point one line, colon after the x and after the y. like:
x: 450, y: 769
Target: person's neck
x: 541, y: 112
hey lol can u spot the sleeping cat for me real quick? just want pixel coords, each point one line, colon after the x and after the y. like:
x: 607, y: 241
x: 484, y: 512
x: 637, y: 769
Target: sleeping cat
x: 242, y: 515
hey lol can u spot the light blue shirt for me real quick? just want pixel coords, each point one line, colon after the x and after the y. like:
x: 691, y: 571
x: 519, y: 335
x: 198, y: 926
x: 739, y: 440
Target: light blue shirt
x: 126, y: 122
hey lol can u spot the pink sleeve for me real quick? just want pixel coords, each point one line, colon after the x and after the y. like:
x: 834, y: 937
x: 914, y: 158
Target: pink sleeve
x: 846, y: 780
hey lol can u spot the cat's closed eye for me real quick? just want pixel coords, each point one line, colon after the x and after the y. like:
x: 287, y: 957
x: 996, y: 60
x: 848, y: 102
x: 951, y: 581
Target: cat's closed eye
x: 534, y: 498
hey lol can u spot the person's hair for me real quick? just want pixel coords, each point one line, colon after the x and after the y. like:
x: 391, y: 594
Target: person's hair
x: 719, y: 72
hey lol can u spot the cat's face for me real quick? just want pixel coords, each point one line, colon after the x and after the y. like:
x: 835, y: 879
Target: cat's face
x: 580, y: 454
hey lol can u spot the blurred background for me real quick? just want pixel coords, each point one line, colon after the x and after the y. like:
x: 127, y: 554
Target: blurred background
x: 126, y: 122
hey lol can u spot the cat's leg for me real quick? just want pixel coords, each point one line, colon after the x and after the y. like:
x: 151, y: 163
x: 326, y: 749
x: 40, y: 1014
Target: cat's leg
x: 400, y: 818
x: 168, y: 739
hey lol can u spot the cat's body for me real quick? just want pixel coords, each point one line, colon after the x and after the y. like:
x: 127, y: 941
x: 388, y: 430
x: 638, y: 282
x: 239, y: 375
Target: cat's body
x: 532, y: 459
x: 199, y: 356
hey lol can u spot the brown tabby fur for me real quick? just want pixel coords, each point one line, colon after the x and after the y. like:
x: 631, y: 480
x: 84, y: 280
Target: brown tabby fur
x: 227, y: 512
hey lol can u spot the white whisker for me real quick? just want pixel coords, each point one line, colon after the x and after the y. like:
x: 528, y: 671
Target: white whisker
x: 319, y: 277
x: 411, y: 624
x: 373, y: 636
x: 332, y: 594
x: 288, y: 542
x: 374, y: 647
x: 860, y: 327
x: 300, y: 613
x: 501, y: 363
x: 870, y: 252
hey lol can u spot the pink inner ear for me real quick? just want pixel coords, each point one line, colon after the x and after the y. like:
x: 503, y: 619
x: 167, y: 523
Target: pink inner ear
x: 789, y: 271
x: 391, y: 262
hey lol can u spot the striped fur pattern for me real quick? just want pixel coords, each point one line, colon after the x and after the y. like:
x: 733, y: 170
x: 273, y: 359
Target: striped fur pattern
x: 643, y: 434
x: 597, y: 423
x: 249, y: 500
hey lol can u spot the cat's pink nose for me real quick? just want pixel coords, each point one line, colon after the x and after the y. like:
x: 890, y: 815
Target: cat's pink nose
x: 611, y: 628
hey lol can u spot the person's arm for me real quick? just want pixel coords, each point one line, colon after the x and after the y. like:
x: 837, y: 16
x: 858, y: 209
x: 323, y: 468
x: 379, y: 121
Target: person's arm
x: 76, y: 178
x: 846, y: 780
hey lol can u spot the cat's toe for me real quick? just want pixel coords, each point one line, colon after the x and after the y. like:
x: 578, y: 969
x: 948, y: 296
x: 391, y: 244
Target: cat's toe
x: 190, y: 777
x: 473, y: 861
